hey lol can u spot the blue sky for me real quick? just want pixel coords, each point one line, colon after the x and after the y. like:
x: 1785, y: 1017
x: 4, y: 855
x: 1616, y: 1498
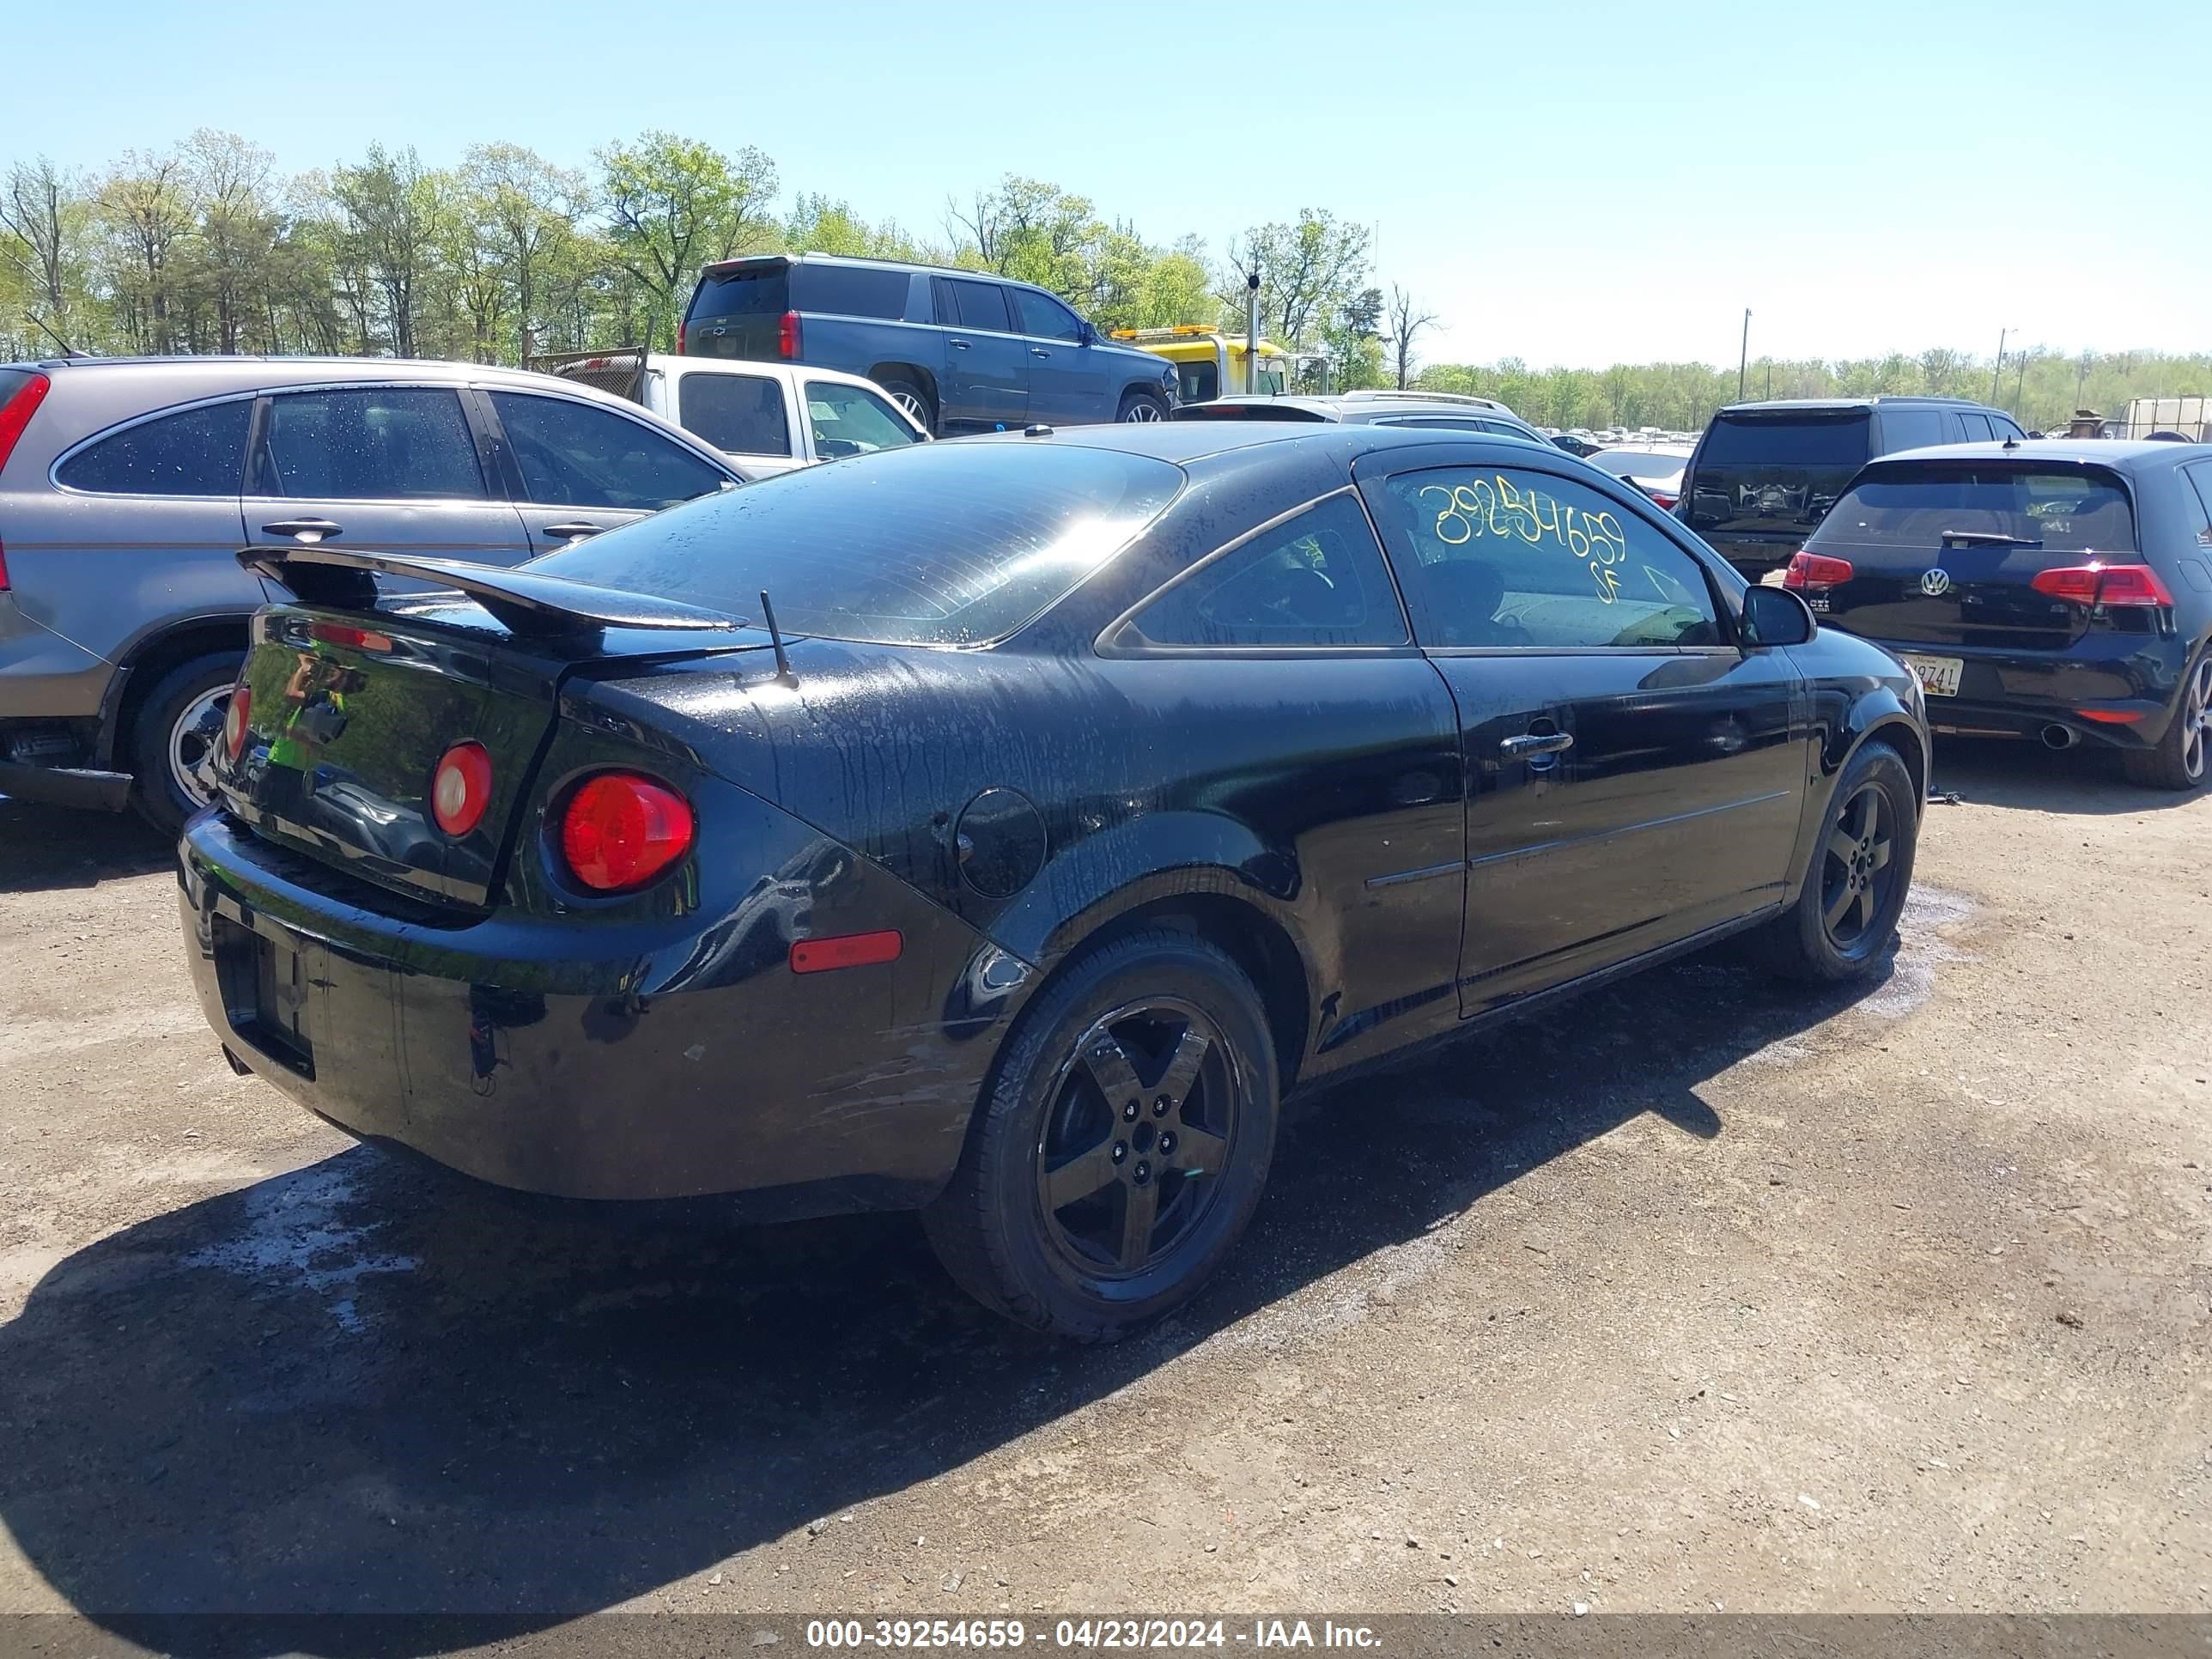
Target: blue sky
x: 1570, y: 184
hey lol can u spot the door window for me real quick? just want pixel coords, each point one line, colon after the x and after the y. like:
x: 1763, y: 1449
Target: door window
x: 851, y: 420
x: 741, y: 413
x: 1045, y: 316
x: 369, y: 443
x: 973, y: 305
x: 573, y: 455
x: 1501, y: 557
x: 195, y: 452
x: 1317, y: 579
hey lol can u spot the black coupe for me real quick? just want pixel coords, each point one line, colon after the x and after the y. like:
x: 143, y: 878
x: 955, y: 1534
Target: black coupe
x: 1002, y: 827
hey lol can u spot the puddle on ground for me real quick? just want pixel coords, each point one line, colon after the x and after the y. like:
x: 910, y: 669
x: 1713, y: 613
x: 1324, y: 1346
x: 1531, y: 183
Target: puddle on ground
x: 294, y: 1238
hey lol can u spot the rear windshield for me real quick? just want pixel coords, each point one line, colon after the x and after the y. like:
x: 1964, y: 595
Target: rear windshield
x: 1785, y: 440
x: 1636, y: 464
x: 947, y: 543
x: 850, y: 290
x: 749, y: 291
x: 2066, y: 510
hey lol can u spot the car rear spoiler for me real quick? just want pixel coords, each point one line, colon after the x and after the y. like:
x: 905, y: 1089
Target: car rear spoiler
x: 524, y: 602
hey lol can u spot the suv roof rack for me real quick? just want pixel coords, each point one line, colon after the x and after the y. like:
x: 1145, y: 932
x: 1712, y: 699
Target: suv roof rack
x: 1389, y: 396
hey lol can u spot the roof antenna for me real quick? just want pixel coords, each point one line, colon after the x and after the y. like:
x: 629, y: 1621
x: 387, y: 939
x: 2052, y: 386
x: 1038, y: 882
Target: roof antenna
x: 783, y: 674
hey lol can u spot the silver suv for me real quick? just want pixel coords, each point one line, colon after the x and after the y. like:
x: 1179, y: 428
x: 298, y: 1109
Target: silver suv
x: 127, y: 488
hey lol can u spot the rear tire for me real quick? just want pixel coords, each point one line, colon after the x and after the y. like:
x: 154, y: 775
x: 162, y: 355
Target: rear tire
x: 914, y: 400
x: 1142, y: 407
x: 174, y: 728
x: 1855, y: 888
x: 1123, y: 1145
x: 2178, y: 759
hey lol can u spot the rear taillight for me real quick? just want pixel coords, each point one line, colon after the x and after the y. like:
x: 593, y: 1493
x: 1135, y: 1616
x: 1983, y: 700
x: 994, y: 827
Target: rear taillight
x: 2102, y: 584
x: 683, y: 333
x: 1664, y: 500
x: 1816, y: 570
x: 235, y: 719
x: 460, y: 789
x: 787, y: 335
x: 16, y: 413
x: 3, y: 569
x: 621, y: 831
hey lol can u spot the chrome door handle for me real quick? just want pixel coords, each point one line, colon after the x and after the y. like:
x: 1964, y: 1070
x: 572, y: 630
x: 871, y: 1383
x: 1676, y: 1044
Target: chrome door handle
x: 957, y: 345
x: 570, y: 532
x: 306, y: 530
x: 1535, y: 743
x: 1039, y: 352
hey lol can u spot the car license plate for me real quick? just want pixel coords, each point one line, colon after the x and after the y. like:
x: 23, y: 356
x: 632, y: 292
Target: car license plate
x: 1938, y: 676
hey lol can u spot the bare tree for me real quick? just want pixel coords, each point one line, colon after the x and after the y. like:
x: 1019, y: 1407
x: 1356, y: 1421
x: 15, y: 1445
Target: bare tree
x: 35, y: 210
x: 1406, y: 320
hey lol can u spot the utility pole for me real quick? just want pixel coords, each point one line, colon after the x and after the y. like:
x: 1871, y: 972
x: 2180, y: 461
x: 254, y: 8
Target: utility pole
x: 1997, y: 374
x: 1743, y: 357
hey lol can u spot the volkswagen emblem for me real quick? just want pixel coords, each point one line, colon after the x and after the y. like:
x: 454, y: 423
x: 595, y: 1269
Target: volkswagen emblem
x: 1935, y: 583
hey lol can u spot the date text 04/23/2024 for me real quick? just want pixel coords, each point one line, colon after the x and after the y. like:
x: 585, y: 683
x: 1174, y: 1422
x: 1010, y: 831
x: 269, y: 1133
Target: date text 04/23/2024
x: 1086, y: 1635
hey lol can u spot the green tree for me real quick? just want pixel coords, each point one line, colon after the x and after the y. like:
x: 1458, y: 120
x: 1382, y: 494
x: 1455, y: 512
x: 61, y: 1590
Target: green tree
x: 674, y: 205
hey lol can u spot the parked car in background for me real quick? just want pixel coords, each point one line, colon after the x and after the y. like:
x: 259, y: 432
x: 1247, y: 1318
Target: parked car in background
x: 959, y: 350
x: 127, y: 487
x: 1654, y: 468
x: 1438, y: 411
x: 2059, y: 589
x: 1048, y: 975
x: 1764, y: 474
x: 765, y: 418
x: 1575, y: 444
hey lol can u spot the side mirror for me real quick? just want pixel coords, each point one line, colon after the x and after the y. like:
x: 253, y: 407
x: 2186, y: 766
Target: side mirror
x: 1775, y: 615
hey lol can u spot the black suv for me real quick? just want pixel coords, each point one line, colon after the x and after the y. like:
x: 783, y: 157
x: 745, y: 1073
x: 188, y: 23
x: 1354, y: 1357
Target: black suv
x: 1765, y: 474
x: 959, y: 350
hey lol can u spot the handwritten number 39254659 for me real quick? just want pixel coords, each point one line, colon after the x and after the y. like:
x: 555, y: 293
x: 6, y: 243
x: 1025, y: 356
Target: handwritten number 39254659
x: 1494, y: 507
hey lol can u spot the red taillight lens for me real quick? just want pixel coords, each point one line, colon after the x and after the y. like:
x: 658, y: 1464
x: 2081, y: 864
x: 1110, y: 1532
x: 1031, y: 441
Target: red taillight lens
x: 235, y: 719
x: 683, y: 333
x: 1816, y: 570
x: 1664, y: 500
x: 818, y: 956
x: 3, y: 569
x: 621, y: 831
x: 460, y: 789
x: 2102, y: 584
x: 16, y: 411
x: 787, y: 335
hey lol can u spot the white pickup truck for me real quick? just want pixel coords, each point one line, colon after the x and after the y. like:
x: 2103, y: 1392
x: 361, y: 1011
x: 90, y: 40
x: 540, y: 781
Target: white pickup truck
x: 766, y: 417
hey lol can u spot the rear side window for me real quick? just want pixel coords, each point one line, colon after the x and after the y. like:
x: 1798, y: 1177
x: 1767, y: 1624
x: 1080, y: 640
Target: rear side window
x: 754, y: 291
x: 2200, y: 478
x: 1919, y: 504
x: 972, y: 304
x: 1977, y: 427
x: 934, y: 544
x: 1197, y: 382
x: 1910, y: 429
x: 194, y: 452
x: 1785, y: 440
x: 1317, y: 579
x: 741, y: 413
x: 573, y: 454
x: 850, y: 290
x: 368, y: 444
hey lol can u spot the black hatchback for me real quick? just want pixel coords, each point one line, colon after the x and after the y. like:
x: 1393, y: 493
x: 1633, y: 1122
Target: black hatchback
x: 2059, y: 590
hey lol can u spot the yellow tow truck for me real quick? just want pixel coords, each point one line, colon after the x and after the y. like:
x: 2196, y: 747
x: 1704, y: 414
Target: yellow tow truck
x: 1211, y: 364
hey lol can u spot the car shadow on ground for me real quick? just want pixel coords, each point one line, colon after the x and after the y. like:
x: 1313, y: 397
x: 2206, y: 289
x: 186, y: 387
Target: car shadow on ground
x: 51, y: 847
x: 1999, y: 772
x: 368, y: 1387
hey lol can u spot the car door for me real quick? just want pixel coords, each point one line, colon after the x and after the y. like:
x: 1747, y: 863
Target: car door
x: 1069, y: 385
x: 1323, y: 732
x: 576, y: 468
x: 398, y: 467
x: 1633, y: 778
x: 984, y: 383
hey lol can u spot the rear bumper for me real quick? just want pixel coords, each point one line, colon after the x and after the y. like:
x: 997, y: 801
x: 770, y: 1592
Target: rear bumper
x: 2133, y: 683
x: 495, y: 1048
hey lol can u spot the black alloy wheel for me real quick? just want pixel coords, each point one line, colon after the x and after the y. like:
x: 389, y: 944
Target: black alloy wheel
x: 1142, y: 1124
x: 1858, y: 867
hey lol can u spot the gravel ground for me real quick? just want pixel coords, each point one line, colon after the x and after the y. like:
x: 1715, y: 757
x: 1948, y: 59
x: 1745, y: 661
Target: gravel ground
x: 1696, y: 1293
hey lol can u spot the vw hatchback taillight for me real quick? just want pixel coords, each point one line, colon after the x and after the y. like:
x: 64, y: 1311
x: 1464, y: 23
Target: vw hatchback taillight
x: 1816, y: 570
x: 460, y: 789
x: 620, y: 830
x: 2102, y: 584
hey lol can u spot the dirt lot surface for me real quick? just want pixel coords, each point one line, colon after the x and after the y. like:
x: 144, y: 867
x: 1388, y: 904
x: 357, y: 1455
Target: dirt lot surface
x: 1695, y: 1293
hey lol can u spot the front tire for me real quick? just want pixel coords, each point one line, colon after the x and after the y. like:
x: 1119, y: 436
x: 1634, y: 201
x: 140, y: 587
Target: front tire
x: 2178, y: 760
x: 1142, y: 407
x: 175, y: 729
x: 1862, y: 869
x: 1123, y: 1145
